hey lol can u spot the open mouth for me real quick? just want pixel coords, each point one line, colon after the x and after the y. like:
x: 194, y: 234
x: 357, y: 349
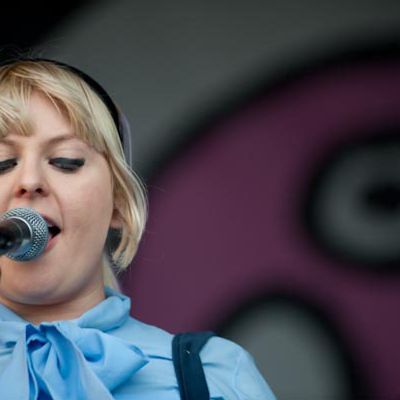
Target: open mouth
x: 54, y: 231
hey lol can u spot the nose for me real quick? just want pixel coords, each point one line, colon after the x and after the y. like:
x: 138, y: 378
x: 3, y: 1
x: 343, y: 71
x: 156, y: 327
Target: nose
x: 31, y: 181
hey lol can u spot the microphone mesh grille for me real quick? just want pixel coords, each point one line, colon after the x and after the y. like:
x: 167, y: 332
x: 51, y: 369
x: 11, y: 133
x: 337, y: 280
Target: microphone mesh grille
x: 40, y: 233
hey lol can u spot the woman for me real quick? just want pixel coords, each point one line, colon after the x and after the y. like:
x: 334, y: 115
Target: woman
x: 65, y: 329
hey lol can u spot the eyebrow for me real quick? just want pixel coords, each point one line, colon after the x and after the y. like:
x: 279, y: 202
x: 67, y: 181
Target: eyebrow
x: 51, y: 142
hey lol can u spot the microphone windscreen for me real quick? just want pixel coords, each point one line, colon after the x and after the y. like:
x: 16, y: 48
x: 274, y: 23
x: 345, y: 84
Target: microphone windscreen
x: 34, y: 246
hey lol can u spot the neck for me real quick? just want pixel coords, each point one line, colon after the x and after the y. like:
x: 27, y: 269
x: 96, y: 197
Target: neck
x: 63, y: 310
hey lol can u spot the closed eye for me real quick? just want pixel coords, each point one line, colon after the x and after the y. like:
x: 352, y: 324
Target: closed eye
x: 67, y: 164
x: 7, y: 165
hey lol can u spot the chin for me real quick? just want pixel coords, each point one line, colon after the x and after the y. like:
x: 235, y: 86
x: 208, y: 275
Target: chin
x: 32, y: 294
x: 24, y: 284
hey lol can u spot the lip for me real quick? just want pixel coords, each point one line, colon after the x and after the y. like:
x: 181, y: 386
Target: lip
x: 52, y: 239
x: 51, y: 243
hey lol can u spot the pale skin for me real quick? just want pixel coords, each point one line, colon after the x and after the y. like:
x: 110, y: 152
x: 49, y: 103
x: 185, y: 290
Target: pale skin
x: 67, y: 279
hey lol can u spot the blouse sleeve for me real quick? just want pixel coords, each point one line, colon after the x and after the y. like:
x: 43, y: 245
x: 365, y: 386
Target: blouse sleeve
x: 231, y: 372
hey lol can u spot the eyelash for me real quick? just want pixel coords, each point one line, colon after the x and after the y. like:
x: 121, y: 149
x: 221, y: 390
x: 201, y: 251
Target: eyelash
x: 7, y: 164
x: 67, y: 164
x: 62, y: 163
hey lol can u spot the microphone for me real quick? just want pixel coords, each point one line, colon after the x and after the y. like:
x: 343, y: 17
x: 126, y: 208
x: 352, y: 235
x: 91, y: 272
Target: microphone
x: 23, y: 234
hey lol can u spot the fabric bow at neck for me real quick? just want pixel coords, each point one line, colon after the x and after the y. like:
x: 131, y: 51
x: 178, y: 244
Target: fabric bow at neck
x: 74, y: 359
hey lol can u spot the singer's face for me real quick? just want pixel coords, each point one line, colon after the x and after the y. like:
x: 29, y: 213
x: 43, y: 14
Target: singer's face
x: 70, y: 184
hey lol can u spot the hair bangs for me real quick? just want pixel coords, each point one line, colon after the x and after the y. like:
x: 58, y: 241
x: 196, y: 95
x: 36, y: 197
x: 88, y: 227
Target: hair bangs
x: 69, y: 94
x: 14, y: 98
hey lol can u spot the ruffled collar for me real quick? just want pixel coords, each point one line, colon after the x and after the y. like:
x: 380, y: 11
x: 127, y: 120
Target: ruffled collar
x: 75, y: 359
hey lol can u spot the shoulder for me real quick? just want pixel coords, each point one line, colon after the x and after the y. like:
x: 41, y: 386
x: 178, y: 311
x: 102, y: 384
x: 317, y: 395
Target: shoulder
x: 153, y: 341
x: 231, y: 372
x: 229, y: 369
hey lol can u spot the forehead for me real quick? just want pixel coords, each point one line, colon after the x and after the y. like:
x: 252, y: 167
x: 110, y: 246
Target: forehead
x: 41, y: 109
x: 40, y: 115
x: 46, y: 126
x: 60, y: 103
x: 41, y: 119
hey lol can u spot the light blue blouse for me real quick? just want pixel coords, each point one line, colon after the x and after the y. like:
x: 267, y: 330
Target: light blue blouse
x: 106, y: 354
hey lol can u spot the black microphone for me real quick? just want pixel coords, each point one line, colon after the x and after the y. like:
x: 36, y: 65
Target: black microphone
x: 23, y: 234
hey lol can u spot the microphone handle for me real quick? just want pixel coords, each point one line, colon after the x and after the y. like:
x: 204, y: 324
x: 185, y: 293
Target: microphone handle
x: 13, y: 231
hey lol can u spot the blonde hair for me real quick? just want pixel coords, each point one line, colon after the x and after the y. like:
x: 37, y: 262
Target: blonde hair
x: 92, y: 123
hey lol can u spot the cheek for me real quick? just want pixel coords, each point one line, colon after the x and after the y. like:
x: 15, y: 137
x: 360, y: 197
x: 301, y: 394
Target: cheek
x: 87, y: 203
x: 6, y: 192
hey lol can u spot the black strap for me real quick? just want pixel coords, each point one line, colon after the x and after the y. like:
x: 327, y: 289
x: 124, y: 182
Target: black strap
x: 189, y: 372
